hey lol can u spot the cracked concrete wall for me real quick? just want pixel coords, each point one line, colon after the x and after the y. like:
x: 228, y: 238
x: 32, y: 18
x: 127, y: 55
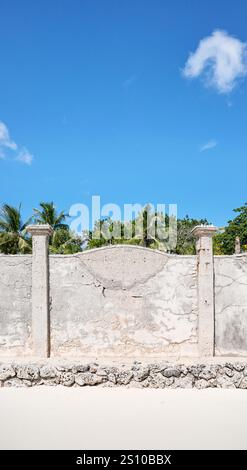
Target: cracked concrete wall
x: 123, y: 301
x: 231, y: 305
x: 15, y: 304
x: 119, y: 301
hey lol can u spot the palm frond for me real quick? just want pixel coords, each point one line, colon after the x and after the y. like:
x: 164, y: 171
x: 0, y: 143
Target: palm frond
x: 10, y: 218
x: 24, y: 245
x: 49, y: 215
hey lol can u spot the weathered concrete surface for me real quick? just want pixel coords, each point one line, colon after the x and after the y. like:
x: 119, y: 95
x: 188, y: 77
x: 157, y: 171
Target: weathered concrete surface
x: 15, y: 304
x: 130, y: 374
x: 40, y: 289
x: 205, y: 288
x: 123, y: 300
x: 231, y: 305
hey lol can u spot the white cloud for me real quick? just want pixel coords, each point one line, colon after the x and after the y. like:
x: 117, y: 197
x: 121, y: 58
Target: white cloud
x: 5, y: 140
x: 21, y: 154
x: 211, y: 144
x: 221, y: 59
x: 25, y: 157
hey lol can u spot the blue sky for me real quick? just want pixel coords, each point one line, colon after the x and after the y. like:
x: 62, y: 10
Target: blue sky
x: 95, y: 99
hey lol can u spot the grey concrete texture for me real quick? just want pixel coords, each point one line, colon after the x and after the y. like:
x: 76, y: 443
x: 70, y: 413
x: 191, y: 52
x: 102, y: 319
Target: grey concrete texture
x: 123, y: 301
x: 231, y: 305
x: 15, y: 304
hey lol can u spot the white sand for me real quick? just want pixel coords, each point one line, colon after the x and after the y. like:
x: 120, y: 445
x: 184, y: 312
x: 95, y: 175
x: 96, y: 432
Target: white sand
x: 119, y: 418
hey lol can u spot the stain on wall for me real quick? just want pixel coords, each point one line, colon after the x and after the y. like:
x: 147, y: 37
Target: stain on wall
x: 15, y: 304
x: 123, y: 301
x: 231, y: 305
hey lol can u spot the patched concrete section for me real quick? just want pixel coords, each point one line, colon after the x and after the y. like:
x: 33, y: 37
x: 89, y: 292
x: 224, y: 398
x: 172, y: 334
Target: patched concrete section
x: 121, y: 266
x: 123, y: 301
x: 231, y: 305
x: 15, y: 304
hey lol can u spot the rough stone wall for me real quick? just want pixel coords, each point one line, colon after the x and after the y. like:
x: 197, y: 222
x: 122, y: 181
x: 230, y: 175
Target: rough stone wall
x: 231, y: 305
x: 120, y: 300
x: 135, y: 374
x: 15, y: 304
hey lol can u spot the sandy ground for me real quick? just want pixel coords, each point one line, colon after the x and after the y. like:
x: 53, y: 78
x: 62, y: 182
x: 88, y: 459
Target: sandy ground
x: 120, y: 418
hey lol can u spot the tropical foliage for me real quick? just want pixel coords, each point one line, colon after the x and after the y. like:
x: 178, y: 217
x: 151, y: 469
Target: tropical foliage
x: 185, y: 240
x: 47, y: 214
x: 236, y: 228
x: 65, y: 242
x: 15, y: 239
x: 13, y: 235
x: 140, y: 229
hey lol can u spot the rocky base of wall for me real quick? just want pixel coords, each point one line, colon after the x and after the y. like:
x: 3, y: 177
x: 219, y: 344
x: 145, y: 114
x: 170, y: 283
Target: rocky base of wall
x: 137, y: 374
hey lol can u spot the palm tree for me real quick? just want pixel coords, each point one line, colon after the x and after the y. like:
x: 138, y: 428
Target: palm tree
x: 13, y: 235
x: 49, y: 215
x: 65, y: 242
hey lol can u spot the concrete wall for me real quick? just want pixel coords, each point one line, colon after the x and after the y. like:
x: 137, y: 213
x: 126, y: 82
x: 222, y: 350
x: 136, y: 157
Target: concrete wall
x: 123, y: 301
x: 15, y: 304
x: 231, y: 305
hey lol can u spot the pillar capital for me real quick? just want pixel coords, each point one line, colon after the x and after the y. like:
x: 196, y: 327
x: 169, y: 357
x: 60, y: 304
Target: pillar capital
x: 204, y: 231
x: 40, y: 229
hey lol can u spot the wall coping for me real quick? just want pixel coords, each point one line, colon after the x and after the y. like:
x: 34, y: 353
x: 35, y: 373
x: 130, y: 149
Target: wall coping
x: 93, y: 250
x: 20, y: 255
x: 234, y: 256
x: 122, y: 246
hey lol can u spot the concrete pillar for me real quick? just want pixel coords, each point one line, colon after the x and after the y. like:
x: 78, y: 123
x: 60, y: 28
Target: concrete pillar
x: 237, y: 246
x: 205, y: 270
x: 40, y: 289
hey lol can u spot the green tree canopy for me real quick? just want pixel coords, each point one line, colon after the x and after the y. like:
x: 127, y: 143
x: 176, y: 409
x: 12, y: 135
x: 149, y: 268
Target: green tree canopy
x: 48, y: 214
x: 235, y: 228
x: 140, y: 232
x: 65, y: 242
x: 13, y: 234
x: 185, y: 240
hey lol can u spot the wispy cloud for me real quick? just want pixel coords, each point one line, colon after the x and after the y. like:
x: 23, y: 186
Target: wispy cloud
x: 10, y: 149
x: 211, y: 144
x: 221, y: 59
x: 129, y: 82
x: 5, y: 140
x: 25, y: 157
